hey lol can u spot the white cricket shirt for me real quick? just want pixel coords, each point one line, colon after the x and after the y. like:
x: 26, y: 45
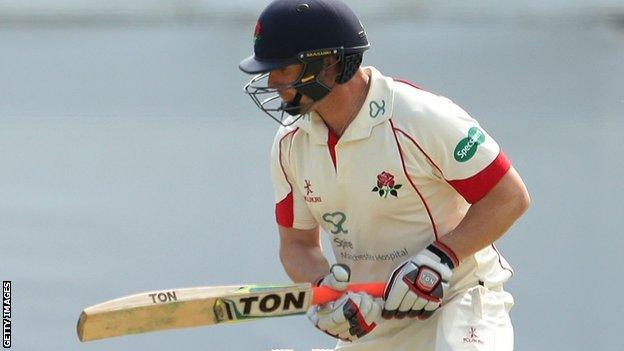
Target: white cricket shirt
x: 403, y: 173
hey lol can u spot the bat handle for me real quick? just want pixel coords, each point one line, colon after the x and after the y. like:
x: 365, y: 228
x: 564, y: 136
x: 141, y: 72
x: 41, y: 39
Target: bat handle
x: 324, y: 294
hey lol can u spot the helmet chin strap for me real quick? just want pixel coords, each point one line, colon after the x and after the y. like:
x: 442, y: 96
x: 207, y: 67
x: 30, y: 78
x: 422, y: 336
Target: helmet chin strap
x: 292, y: 107
x: 310, y: 85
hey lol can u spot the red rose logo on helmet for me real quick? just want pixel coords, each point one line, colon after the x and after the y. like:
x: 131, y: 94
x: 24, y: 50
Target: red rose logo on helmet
x: 257, y: 31
x: 386, y: 185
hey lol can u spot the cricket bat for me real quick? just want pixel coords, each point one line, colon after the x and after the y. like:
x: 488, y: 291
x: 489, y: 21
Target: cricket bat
x: 193, y: 307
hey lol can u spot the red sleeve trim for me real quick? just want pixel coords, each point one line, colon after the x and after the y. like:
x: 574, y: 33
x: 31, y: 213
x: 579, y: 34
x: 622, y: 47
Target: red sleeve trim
x: 284, y: 210
x: 476, y: 187
x: 284, y: 213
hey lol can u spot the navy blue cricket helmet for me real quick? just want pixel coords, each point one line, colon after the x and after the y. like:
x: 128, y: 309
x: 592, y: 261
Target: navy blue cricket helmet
x: 305, y: 32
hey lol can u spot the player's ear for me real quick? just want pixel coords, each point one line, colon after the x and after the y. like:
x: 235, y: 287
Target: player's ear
x: 335, y: 64
x: 332, y: 69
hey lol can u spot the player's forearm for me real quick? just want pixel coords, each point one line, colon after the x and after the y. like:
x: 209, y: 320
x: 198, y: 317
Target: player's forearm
x: 303, y: 263
x: 489, y: 218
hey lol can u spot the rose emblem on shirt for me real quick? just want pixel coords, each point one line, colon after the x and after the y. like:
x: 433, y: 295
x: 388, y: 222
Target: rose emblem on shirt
x: 386, y: 185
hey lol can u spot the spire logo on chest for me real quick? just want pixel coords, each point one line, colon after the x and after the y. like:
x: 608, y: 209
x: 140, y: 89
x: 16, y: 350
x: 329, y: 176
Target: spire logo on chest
x: 309, y: 191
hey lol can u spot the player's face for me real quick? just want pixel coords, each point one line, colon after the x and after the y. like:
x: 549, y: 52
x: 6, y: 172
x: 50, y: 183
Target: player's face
x: 283, y: 78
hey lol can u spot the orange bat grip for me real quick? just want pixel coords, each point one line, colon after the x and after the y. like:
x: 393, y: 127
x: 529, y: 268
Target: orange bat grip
x: 324, y: 294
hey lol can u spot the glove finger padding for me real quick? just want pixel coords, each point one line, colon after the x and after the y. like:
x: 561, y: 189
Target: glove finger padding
x: 396, y: 288
x: 406, y: 305
x: 348, y: 318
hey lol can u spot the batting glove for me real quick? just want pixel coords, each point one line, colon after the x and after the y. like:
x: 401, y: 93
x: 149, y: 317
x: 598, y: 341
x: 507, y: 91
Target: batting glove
x: 416, y: 288
x: 351, y: 316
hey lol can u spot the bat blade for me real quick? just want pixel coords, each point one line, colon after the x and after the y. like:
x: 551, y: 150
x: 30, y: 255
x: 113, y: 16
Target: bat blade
x: 194, y: 307
x: 184, y: 308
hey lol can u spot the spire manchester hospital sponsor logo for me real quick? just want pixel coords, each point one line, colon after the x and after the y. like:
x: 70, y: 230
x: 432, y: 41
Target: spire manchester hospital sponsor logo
x: 6, y: 314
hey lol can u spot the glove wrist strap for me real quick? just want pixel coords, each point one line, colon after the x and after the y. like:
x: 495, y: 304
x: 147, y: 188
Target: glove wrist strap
x: 445, y: 253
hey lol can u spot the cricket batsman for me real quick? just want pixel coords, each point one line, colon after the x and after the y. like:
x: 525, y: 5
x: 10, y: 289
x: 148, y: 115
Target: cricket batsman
x: 410, y: 188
